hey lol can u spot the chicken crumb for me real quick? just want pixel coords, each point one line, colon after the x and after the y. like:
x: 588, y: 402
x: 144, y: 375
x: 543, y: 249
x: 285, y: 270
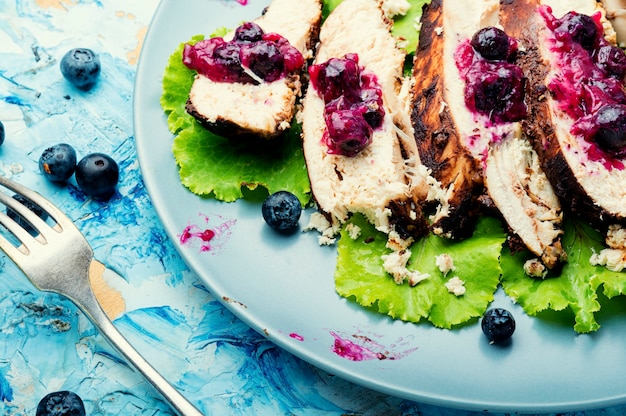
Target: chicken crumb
x: 393, y: 8
x: 396, y: 242
x: 395, y: 263
x: 535, y: 268
x: 321, y: 224
x: 456, y: 286
x: 613, y: 257
x: 445, y: 263
x: 616, y: 237
x: 354, y: 231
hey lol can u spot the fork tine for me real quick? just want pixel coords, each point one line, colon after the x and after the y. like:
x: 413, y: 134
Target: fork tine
x: 55, y: 213
x: 18, y: 231
x: 27, y: 214
x: 16, y: 253
x: 18, y: 257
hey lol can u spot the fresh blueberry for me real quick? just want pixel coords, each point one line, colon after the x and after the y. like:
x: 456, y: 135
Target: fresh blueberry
x: 58, y: 162
x: 81, y: 67
x: 281, y: 211
x: 97, y: 175
x: 1, y: 133
x: 20, y: 220
x: 61, y: 403
x: 498, y: 325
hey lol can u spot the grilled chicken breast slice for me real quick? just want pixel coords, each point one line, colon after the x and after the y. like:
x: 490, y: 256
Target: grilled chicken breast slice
x: 586, y: 187
x: 525, y: 198
x: 385, y: 181
x: 263, y: 110
x: 502, y: 156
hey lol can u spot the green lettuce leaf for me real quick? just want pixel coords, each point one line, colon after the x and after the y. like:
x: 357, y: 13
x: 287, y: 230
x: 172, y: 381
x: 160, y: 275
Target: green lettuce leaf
x: 575, y: 289
x: 328, y: 6
x: 407, y: 27
x: 360, y: 275
x: 177, y: 80
x: 212, y: 165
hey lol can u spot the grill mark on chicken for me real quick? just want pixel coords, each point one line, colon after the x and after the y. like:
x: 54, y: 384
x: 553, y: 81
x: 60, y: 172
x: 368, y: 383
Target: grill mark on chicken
x: 437, y: 138
x: 520, y: 20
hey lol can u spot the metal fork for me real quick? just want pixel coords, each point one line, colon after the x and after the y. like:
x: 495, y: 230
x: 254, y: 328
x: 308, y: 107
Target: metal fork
x: 58, y: 258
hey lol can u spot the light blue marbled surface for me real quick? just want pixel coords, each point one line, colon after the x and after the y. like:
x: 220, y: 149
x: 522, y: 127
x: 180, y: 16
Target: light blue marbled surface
x: 46, y: 344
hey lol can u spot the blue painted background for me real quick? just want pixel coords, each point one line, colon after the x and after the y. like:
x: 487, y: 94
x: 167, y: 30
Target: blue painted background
x: 46, y: 344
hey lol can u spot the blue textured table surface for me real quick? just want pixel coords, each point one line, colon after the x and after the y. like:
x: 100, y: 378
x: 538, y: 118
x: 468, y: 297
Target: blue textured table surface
x: 46, y: 344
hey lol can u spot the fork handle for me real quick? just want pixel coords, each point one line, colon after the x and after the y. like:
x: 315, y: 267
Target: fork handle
x: 176, y: 400
x: 89, y: 304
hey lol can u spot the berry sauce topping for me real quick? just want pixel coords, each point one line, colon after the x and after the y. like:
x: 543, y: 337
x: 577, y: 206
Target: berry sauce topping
x: 588, y: 85
x: 494, y: 86
x: 251, y: 57
x: 353, y: 104
x: 493, y: 44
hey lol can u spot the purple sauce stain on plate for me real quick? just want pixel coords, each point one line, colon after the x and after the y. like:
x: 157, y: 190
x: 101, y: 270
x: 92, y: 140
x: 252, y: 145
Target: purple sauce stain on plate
x: 358, y: 347
x: 210, y: 235
x: 296, y: 336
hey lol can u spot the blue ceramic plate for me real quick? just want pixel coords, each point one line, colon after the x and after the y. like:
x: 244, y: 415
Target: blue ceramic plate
x: 283, y: 286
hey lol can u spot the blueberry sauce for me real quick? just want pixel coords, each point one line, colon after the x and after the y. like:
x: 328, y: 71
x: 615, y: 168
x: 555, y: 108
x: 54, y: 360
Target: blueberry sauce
x: 353, y: 104
x: 359, y: 347
x: 494, y: 86
x: 209, y: 235
x: 494, y: 44
x: 352, y: 351
x: 588, y: 84
x: 296, y: 336
x: 205, y: 236
x: 251, y: 57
